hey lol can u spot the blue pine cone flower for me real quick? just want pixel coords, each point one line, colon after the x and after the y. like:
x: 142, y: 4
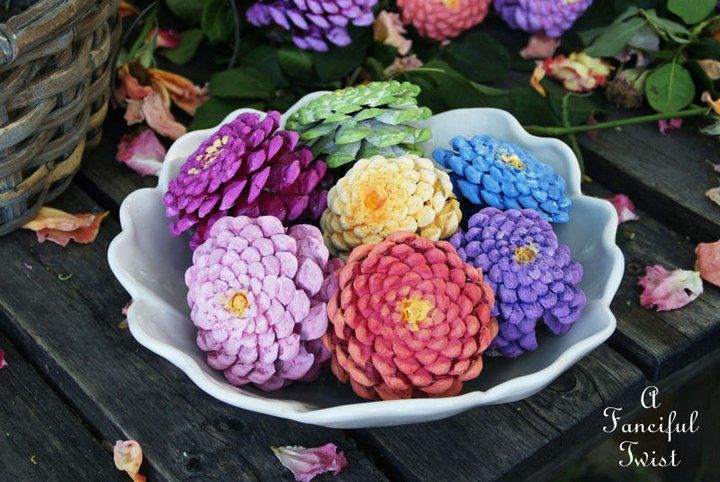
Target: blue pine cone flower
x: 490, y: 172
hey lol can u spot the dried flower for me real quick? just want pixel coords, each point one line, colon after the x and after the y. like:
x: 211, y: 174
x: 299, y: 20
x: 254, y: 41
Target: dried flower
x: 443, y: 19
x: 578, y: 72
x: 410, y: 319
x: 402, y: 64
x: 540, y: 46
x: 713, y: 104
x: 490, y: 172
x: 313, y: 24
x: 164, y: 38
x: 379, y: 196
x: 142, y: 152
x: 669, y: 290
x: 389, y: 30
x: 551, y: 17
x: 532, y: 275
x: 363, y: 121
x: 626, y: 90
x: 708, y: 261
x: 306, y: 464
x: 248, y: 167
x: 665, y: 125
x: 60, y: 227
x: 127, y: 9
x: 624, y: 207
x: 128, y: 456
x: 714, y: 195
x: 711, y: 68
x: 257, y: 296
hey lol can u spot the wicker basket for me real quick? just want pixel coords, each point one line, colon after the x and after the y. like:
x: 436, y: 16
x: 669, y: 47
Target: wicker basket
x: 54, y: 79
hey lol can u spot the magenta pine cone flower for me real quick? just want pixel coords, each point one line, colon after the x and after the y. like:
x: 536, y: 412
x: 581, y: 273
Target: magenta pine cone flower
x: 532, y: 275
x: 257, y: 296
x: 550, y: 17
x: 314, y: 23
x: 248, y: 167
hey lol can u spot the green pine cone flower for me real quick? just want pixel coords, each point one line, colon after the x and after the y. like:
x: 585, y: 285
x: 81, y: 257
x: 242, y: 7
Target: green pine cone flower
x: 363, y: 121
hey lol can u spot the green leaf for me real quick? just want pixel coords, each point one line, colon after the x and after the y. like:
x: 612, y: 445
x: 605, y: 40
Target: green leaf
x: 614, y: 38
x: 384, y: 53
x: 692, y: 11
x: 669, y: 88
x: 215, y: 109
x: 668, y: 29
x: 217, y: 21
x: 189, y: 11
x: 242, y: 83
x: 338, y: 62
x: 296, y: 63
x: 531, y: 108
x: 479, y: 57
x: 266, y: 59
x: 189, y: 43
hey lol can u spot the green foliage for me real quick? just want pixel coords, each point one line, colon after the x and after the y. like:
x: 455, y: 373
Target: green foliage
x: 295, y: 62
x: 242, y: 83
x: 611, y: 40
x: 692, y: 11
x: 215, y: 109
x: 479, y: 57
x: 189, y: 11
x: 338, y: 62
x: 669, y: 88
x: 189, y: 42
x: 217, y: 21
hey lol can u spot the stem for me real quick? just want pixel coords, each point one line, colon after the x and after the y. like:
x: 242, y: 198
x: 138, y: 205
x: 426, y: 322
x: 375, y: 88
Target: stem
x: 562, y: 131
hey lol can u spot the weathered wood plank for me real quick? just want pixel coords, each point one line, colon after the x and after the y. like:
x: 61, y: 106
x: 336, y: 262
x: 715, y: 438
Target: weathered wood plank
x: 666, y: 176
x: 513, y: 441
x: 40, y: 437
x: 660, y: 342
x: 69, y: 329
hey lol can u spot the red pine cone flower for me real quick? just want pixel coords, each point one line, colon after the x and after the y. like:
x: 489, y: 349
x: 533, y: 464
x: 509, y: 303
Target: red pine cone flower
x: 410, y: 319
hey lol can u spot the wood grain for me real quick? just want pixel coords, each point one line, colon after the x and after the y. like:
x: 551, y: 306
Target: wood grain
x: 40, y: 437
x: 69, y: 329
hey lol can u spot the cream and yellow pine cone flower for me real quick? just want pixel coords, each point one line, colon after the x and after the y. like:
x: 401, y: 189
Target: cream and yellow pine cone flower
x: 379, y: 196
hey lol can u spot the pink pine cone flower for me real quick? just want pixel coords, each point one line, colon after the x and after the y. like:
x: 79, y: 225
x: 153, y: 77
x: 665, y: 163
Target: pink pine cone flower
x: 443, y: 19
x: 410, y: 319
x: 248, y: 167
x: 257, y: 295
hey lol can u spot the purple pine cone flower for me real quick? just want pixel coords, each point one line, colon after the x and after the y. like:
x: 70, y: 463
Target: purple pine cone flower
x: 248, y: 167
x: 257, y: 295
x: 314, y: 23
x: 550, y: 17
x: 532, y: 275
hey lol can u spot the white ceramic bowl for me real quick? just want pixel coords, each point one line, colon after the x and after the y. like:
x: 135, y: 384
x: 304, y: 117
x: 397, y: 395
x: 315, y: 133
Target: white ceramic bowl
x: 150, y: 264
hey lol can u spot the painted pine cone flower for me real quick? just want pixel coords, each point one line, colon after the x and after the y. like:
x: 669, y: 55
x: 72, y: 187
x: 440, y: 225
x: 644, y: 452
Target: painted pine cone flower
x: 363, y: 121
x: 248, y: 167
x: 313, y: 24
x: 257, y: 296
x: 489, y: 172
x: 379, y: 196
x: 443, y: 19
x: 550, y: 17
x: 410, y: 319
x: 531, y: 274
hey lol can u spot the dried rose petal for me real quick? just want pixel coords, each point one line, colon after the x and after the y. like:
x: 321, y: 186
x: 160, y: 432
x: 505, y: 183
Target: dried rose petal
x: 158, y: 116
x: 142, y: 152
x: 713, y: 104
x: 665, y: 125
x: 714, y: 195
x: 402, y: 64
x: 82, y: 235
x: 669, y: 290
x: 306, y: 464
x: 165, y: 38
x: 708, y: 261
x: 128, y: 456
x: 711, y: 68
x: 51, y: 218
x: 389, y: 30
x: 624, y: 207
x: 540, y: 46
x: 3, y: 363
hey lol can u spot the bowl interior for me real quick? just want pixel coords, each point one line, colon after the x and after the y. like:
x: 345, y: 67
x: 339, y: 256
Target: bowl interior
x: 151, y: 264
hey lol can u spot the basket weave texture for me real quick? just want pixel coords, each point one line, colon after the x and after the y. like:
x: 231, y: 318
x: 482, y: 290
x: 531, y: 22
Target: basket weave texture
x: 54, y: 87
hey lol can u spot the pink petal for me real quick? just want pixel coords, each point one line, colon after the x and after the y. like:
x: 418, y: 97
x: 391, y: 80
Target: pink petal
x: 708, y: 261
x: 540, y: 47
x: 624, y: 207
x: 133, y: 112
x: 141, y: 152
x: 3, y: 363
x: 669, y: 290
x: 305, y: 464
x: 165, y: 37
x: 159, y: 118
x: 666, y: 125
x: 128, y: 456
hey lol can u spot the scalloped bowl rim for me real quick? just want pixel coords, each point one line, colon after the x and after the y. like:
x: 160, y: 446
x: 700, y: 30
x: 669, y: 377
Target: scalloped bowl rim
x: 342, y: 416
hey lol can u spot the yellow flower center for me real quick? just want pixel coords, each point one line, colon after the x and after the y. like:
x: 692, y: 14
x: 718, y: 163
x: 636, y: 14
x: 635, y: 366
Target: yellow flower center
x: 378, y: 198
x: 526, y: 254
x: 414, y: 311
x: 512, y: 160
x: 211, y: 153
x: 238, y: 303
x: 453, y: 3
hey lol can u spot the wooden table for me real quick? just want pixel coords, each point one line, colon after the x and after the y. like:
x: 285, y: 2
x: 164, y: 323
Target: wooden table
x: 78, y: 380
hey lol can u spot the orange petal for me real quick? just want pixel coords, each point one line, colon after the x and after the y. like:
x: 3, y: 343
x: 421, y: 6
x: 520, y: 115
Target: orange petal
x: 537, y: 76
x: 127, y: 9
x: 51, y: 218
x: 184, y: 93
x: 714, y: 104
x: 128, y: 456
x: 708, y: 261
x: 84, y: 234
